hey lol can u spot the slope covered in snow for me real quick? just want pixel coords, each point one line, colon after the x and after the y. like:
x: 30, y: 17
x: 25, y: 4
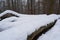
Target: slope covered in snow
x: 19, y: 28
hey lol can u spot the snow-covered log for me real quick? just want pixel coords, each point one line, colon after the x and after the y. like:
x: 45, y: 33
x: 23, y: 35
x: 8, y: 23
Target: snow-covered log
x: 8, y: 15
x: 43, y: 29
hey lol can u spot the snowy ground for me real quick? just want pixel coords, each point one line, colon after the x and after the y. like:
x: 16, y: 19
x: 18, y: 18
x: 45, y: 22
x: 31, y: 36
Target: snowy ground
x: 14, y: 28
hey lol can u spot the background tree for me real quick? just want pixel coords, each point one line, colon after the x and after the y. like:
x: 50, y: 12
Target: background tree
x: 31, y: 6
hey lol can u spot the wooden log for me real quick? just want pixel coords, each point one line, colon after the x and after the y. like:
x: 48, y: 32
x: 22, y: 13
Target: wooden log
x: 42, y: 30
x: 7, y: 15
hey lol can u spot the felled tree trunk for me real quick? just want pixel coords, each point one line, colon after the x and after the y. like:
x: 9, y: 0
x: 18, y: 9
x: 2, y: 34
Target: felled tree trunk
x: 8, y: 15
x: 42, y: 30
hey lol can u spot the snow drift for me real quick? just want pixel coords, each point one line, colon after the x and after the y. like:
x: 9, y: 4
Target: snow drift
x: 19, y: 28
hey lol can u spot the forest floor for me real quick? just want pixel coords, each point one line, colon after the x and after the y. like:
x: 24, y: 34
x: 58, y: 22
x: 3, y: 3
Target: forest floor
x: 17, y: 26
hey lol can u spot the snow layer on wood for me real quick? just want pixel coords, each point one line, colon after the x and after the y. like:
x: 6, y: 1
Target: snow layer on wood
x: 53, y: 34
x: 9, y: 11
x: 6, y: 23
x: 18, y: 14
x: 23, y: 26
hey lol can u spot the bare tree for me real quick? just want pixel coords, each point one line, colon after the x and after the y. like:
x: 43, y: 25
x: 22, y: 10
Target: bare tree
x: 59, y: 7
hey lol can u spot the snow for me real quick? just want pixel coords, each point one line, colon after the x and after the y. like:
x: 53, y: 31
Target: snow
x: 6, y: 23
x: 9, y: 19
x: 53, y: 34
x: 14, y: 28
x: 9, y: 11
